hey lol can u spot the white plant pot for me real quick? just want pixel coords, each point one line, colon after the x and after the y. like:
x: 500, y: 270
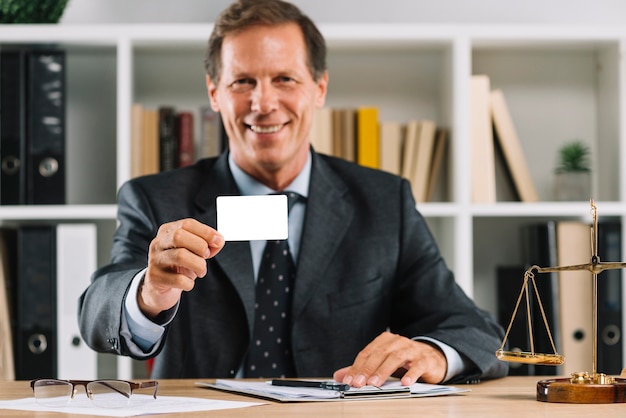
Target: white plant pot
x: 572, y: 186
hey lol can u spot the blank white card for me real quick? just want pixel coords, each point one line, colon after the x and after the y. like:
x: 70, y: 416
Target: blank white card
x: 247, y: 218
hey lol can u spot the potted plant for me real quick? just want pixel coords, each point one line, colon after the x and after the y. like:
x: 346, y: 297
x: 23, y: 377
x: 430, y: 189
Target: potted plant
x: 573, y: 173
x: 31, y: 11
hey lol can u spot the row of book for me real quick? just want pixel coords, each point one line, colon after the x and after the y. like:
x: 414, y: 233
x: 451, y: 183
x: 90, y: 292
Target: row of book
x: 415, y: 150
x: 566, y: 299
x: 164, y: 137
x: 493, y: 137
x: 43, y: 271
x: 32, y: 125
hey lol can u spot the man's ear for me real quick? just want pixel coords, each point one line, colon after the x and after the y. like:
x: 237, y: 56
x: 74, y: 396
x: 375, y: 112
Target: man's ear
x: 322, y: 88
x: 212, y: 92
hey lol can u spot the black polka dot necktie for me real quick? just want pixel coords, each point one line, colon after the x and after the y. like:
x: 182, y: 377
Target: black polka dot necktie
x: 270, y: 348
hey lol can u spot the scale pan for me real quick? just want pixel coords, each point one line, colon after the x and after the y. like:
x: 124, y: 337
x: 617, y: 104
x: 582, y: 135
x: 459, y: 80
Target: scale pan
x: 530, y: 358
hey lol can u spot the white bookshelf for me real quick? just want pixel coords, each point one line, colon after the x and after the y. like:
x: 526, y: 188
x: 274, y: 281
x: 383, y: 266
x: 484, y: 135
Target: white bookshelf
x: 561, y: 82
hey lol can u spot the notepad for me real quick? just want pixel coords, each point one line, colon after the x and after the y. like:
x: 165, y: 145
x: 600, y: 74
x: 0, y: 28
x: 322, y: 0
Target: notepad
x: 390, y: 390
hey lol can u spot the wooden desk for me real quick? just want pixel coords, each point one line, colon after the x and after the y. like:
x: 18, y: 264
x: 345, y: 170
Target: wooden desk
x: 510, y: 397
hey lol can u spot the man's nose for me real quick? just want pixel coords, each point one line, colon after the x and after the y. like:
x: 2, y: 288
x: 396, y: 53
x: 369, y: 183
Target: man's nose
x: 264, y: 98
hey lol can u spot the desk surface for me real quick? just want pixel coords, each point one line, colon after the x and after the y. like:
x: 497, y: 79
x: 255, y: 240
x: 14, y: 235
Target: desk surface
x: 508, y: 397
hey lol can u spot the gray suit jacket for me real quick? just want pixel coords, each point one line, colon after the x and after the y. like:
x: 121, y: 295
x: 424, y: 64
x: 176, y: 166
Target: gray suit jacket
x: 367, y: 263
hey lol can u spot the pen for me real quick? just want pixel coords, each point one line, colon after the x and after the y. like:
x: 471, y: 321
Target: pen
x: 341, y: 387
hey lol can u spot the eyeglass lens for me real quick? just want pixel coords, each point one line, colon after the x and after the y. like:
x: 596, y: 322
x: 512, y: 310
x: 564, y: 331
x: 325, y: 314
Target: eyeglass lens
x: 103, y: 393
x: 52, y: 392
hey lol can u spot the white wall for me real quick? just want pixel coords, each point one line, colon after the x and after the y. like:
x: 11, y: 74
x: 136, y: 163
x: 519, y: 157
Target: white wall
x: 446, y: 11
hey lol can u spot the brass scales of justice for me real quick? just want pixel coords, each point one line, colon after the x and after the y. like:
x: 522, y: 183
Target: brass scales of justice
x: 582, y: 387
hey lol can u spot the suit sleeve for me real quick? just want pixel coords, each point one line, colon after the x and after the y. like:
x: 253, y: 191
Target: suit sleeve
x: 101, y: 305
x: 430, y: 303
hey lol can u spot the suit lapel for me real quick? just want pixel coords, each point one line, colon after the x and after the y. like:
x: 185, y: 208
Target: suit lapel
x: 234, y: 259
x: 328, y: 215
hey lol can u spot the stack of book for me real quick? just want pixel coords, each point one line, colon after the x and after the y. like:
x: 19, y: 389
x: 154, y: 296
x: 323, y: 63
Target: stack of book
x: 164, y: 137
x: 414, y: 150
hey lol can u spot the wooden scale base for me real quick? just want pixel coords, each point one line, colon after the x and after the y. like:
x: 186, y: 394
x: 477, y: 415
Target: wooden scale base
x: 564, y: 390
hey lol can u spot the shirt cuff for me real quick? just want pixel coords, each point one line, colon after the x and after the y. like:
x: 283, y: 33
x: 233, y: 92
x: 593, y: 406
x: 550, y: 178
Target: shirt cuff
x: 137, y: 327
x: 456, y: 365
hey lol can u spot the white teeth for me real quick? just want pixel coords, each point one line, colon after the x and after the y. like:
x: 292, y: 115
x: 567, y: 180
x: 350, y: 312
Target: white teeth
x: 265, y: 129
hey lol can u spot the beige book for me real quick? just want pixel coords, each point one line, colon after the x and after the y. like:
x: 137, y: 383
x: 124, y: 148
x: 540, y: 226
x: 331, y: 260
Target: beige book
x: 512, y: 148
x: 437, y: 162
x: 425, y: 146
x: 409, y: 155
x: 573, y: 240
x: 391, y: 147
x: 151, y: 164
x: 322, y: 131
x: 482, y: 149
x: 136, y: 140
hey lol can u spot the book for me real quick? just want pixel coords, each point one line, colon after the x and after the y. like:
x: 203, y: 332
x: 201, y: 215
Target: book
x: 76, y: 260
x: 409, y: 154
x: 425, y: 146
x: 391, y: 143
x: 575, y: 296
x: 136, y: 140
x: 168, y: 138
x: 610, y: 306
x: 509, y: 143
x: 7, y: 245
x: 185, y: 138
x: 368, y: 147
x: 150, y: 144
x: 349, y: 134
x: 344, y: 141
x: 209, y: 143
x: 337, y: 132
x: 437, y: 164
x: 322, y: 131
x: 481, y: 137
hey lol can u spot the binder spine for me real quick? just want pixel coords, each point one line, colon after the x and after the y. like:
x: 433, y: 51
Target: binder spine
x: 36, y: 303
x: 610, y: 339
x: 12, y: 134
x: 45, y: 127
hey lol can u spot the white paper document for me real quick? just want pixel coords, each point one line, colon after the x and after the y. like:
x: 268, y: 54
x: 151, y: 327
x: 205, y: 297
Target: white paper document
x: 390, y: 390
x: 140, y: 405
x: 248, y: 218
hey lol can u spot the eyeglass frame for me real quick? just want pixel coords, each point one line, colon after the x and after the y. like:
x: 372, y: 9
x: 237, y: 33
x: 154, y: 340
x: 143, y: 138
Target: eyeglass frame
x: 84, y: 383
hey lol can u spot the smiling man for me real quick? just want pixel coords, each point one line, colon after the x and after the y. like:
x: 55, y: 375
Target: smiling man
x: 371, y: 295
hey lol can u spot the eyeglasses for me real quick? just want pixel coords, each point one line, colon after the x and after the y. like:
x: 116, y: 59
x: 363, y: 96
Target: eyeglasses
x: 103, y: 393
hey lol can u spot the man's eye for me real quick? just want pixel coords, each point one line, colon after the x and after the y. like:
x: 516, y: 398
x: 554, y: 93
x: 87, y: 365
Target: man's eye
x: 242, y: 84
x: 285, y: 79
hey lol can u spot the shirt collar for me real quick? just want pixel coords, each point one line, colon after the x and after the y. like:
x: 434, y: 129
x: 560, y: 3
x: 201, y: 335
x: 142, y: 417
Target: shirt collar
x: 251, y: 187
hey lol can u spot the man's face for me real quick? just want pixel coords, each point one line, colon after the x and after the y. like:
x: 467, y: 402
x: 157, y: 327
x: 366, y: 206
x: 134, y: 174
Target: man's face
x: 267, y: 98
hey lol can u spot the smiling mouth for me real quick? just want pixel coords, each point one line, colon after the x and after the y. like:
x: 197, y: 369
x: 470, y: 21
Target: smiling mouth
x: 270, y: 129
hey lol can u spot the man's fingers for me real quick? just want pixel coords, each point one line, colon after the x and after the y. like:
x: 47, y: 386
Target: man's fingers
x: 391, y: 354
x: 191, y: 234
